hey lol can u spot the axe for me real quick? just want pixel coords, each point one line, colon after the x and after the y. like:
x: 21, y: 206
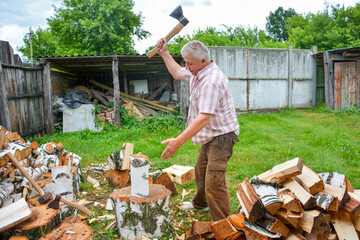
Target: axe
x: 177, y: 14
x: 55, y: 204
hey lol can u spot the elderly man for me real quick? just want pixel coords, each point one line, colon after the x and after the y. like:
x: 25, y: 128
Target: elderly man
x: 212, y: 123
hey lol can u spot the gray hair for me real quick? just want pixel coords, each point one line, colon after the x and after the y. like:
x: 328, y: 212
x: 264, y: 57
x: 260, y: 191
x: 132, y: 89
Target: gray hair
x: 197, y: 49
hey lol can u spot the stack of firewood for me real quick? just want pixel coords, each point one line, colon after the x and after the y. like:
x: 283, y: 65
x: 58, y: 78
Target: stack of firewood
x: 290, y: 201
x: 17, y: 193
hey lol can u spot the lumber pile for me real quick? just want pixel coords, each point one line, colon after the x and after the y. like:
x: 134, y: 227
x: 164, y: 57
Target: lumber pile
x: 20, y: 210
x: 290, y: 201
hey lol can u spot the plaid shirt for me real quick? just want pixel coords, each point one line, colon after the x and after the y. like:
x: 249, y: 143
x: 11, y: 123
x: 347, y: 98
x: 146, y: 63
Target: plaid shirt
x: 210, y: 93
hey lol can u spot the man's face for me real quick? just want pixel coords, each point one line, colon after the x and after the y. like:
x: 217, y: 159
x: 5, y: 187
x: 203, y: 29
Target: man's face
x: 193, y: 65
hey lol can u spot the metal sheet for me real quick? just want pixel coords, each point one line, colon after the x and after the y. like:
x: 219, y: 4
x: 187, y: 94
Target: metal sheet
x: 346, y: 86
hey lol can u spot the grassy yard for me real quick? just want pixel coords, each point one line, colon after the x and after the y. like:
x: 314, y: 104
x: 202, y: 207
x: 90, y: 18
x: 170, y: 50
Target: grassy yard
x: 327, y: 141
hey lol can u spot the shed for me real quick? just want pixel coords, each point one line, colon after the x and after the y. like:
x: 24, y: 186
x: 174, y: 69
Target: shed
x: 338, y: 78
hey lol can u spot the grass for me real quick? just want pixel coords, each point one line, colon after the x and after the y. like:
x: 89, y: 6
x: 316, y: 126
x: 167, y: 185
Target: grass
x: 326, y: 140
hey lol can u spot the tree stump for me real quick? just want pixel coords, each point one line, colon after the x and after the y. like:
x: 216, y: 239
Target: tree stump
x: 142, y: 217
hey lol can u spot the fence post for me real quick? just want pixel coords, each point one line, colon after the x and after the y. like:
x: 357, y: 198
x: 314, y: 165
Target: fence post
x: 115, y: 72
x: 49, y: 122
x: 314, y: 75
x: 4, y: 105
x: 290, y: 76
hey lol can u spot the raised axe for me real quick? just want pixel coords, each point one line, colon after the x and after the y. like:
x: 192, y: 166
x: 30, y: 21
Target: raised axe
x: 44, y: 197
x: 55, y: 205
x: 177, y: 14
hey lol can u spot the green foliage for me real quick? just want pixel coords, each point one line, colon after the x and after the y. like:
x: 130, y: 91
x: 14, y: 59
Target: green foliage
x: 276, y: 23
x: 335, y: 27
x: 349, y: 110
x: 89, y: 27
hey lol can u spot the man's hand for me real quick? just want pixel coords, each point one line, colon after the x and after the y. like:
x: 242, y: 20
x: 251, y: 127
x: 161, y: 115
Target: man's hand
x: 172, y: 146
x: 162, y: 44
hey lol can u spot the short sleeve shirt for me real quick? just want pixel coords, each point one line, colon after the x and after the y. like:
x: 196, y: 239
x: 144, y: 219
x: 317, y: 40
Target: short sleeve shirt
x: 210, y: 93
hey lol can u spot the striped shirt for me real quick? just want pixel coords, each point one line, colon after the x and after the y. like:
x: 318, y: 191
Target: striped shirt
x: 210, y: 93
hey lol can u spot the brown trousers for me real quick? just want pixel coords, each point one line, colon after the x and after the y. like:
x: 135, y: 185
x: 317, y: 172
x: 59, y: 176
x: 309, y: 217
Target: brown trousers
x: 210, y: 171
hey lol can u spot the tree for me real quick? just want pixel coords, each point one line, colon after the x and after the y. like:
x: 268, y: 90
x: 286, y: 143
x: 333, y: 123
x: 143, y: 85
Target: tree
x: 276, y: 23
x: 91, y: 27
x: 333, y: 28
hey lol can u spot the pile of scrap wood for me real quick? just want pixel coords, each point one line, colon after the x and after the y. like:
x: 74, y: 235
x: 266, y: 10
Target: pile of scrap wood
x: 30, y: 177
x: 290, y: 201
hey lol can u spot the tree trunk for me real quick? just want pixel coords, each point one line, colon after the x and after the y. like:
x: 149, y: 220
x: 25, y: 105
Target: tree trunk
x: 137, y: 217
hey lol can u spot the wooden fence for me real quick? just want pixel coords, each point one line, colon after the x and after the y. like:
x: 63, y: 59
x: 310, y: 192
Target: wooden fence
x: 24, y: 101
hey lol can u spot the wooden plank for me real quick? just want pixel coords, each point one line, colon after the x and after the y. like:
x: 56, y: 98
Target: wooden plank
x: 329, y: 79
x: 4, y: 105
x: 283, y: 171
x: 115, y: 74
x: 14, y: 214
x: 49, y: 122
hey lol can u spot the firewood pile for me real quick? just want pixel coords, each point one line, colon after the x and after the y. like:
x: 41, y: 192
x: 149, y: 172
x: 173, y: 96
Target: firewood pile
x: 289, y: 201
x: 26, y: 176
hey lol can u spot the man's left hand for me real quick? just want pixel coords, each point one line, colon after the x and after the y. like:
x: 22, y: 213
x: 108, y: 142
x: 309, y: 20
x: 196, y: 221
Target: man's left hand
x: 172, y: 146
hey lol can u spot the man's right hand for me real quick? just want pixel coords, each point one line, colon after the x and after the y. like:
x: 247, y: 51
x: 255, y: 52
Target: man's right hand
x: 162, y: 44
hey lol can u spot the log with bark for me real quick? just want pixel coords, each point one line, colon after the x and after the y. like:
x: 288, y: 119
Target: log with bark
x: 139, y: 173
x: 117, y: 178
x: 137, y: 217
x: 164, y: 179
x: 63, y: 184
x: 315, y: 222
x: 223, y: 229
x: 339, y: 192
x: 254, y: 232
x: 120, y: 159
x: 250, y: 202
x: 337, y: 179
x: 273, y: 225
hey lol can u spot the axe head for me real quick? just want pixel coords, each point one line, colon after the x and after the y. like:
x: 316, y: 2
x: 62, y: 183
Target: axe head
x: 178, y: 14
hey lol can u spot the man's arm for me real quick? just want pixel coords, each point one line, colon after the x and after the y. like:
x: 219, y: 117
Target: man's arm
x: 173, y: 67
x: 173, y: 144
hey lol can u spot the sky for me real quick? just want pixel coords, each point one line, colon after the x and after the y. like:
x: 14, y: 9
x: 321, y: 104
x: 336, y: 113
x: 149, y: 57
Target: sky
x: 17, y: 16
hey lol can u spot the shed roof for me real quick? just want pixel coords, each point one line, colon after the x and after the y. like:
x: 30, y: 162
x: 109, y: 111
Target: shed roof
x: 96, y: 63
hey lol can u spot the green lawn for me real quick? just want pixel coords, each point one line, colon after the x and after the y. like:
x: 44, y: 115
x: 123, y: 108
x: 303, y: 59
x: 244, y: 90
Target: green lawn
x: 326, y: 141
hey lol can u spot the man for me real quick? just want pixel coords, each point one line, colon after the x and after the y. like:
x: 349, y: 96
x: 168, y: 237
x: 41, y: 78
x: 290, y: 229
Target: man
x: 212, y: 122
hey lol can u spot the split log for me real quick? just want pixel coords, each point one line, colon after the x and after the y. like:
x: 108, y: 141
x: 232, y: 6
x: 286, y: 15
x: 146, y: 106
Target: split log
x: 71, y: 228
x: 14, y: 214
x: 283, y: 171
x: 132, y: 110
x: 5, y: 171
x: 120, y: 159
x: 42, y: 221
x: 11, y: 199
x: 327, y: 202
x: 138, y: 217
x: 289, y: 218
x: 268, y: 194
x: 307, y: 200
x: 250, y: 202
x: 237, y: 220
x: 291, y: 203
x: 164, y: 179
x: 343, y: 225
x: 139, y: 174
x: 337, y: 179
x: 117, y: 178
x: 295, y: 236
x: 356, y: 222
x: 310, y: 180
x: 63, y: 184
x: 202, y: 229
x: 273, y: 225
x: 223, y: 229
x: 2, y: 136
x: 33, y: 172
x: 339, y: 192
x: 6, y: 188
x: 353, y: 205
x: 254, y: 232
x: 181, y: 174
x: 315, y: 222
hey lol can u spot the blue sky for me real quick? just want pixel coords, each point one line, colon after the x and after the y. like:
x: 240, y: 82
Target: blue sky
x: 18, y: 16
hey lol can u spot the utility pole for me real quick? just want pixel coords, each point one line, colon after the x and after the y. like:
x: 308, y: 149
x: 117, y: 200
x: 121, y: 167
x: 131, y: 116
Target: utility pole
x: 31, y: 47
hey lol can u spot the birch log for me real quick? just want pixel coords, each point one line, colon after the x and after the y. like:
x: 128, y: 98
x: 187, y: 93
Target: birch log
x: 6, y: 188
x: 63, y: 184
x: 120, y: 159
x: 142, y: 217
x: 139, y: 173
x: 337, y: 179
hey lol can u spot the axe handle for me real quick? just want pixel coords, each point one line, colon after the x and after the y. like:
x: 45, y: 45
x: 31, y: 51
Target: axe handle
x: 77, y: 206
x: 25, y: 173
x: 170, y: 35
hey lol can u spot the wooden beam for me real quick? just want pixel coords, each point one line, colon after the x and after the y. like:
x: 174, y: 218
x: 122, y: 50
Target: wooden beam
x: 48, y: 114
x: 125, y: 80
x: 4, y: 104
x: 329, y: 79
x: 116, y: 90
